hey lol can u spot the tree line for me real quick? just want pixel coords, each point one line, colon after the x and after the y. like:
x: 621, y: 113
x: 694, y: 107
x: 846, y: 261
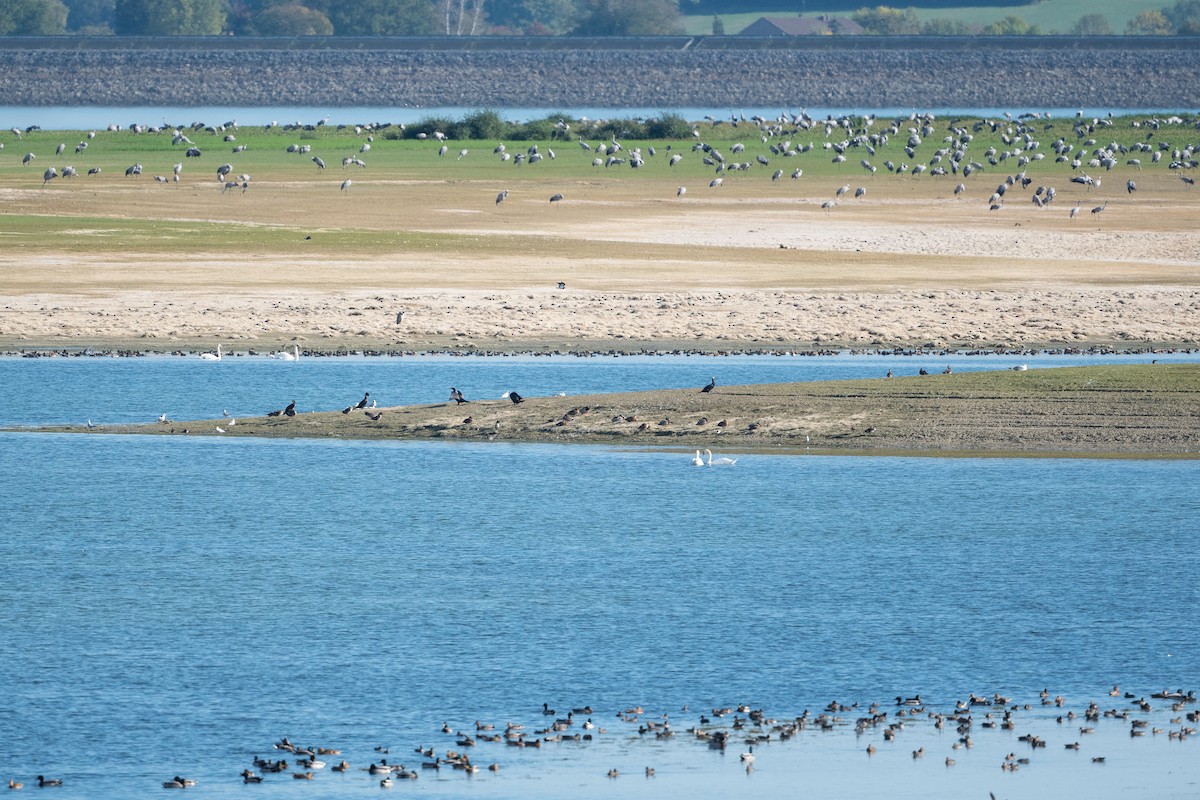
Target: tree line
x: 1183, y: 18
x: 483, y: 17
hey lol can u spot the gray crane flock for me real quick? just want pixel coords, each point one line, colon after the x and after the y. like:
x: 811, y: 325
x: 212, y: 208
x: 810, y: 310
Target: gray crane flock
x: 1089, y: 147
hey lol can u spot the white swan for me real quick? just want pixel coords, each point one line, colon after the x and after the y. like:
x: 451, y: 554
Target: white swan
x: 210, y: 356
x: 717, y: 462
x: 697, y: 461
x: 284, y: 355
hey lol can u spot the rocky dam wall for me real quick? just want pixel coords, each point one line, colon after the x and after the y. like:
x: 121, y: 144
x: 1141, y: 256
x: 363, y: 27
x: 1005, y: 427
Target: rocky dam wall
x: 704, y: 72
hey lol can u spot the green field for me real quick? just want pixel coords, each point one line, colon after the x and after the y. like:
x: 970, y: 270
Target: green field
x: 1051, y: 16
x: 112, y: 212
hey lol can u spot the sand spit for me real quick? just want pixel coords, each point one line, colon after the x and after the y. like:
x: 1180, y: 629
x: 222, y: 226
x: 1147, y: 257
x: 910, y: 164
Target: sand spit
x: 1132, y: 411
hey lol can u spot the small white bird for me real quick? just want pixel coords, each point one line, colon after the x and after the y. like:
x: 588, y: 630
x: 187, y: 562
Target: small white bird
x: 681, y: 191
x: 90, y: 426
x: 220, y: 429
x: 162, y: 418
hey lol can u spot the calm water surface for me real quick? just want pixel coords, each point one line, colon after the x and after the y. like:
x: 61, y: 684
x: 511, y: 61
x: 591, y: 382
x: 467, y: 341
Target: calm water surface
x: 174, y: 606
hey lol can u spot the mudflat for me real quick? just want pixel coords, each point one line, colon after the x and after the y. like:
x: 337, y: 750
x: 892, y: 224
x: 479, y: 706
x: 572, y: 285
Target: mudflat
x: 1110, y: 411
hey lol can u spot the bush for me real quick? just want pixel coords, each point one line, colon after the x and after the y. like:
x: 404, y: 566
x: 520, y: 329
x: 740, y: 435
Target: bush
x: 484, y: 125
x: 668, y: 125
x: 427, y: 126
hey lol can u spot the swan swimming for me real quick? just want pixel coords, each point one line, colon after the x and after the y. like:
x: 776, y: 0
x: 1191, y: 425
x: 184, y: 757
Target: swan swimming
x: 211, y: 356
x: 717, y: 462
x: 283, y: 355
x: 697, y: 461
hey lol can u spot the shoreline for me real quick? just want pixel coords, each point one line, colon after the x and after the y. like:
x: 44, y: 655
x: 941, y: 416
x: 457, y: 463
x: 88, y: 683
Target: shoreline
x: 1125, y: 411
x: 582, y: 349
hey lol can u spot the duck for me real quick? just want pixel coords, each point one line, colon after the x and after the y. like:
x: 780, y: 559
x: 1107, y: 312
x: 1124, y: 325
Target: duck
x: 748, y: 757
x: 44, y: 781
x: 13, y: 784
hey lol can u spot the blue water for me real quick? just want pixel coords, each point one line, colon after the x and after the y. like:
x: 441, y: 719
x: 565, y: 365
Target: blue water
x: 92, y: 117
x: 175, y: 605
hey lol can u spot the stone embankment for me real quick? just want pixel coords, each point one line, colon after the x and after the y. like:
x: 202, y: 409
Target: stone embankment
x: 850, y: 73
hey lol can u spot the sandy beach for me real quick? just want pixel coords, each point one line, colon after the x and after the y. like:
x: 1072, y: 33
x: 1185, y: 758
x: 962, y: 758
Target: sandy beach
x: 748, y: 265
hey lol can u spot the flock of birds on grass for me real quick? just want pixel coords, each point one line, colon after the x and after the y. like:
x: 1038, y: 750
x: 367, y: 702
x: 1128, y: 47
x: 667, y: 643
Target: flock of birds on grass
x: 1168, y: 714
x: 1090, y: 146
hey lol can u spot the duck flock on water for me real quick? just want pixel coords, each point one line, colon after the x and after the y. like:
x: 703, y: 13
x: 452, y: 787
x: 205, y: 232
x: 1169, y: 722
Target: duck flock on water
x: 754, y: 733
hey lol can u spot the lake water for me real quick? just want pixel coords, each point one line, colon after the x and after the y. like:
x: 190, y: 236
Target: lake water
x: 175, y: 605
x: 93, y: 117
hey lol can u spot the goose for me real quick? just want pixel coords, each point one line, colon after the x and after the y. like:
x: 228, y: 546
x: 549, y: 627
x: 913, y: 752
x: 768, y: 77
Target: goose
x: 211, y: 356
x: 718, y: 462
x: 697, y: 461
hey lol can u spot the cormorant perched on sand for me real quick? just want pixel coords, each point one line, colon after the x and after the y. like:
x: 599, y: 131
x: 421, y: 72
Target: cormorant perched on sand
x: 290, y: 411
x: 712, y: 384
x: 516, y: 398
x: 363, y: 403
x: 457, y: 396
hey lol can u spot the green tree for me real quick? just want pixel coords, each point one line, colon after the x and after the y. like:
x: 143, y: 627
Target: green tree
x: 380, y: 17
x: 169, y: 17
x: 630, y: 18
x: 83, y: 14
x: 885, y: 21
x: 1149, y: 23
x: 1092, y: 25
x: 940, y: 26
x: 1184, y: 17
x: 556, y: 16
x: 718, y: 27
x: 32, y: 17
x: 291, y: 19
x: 1011, y: 25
